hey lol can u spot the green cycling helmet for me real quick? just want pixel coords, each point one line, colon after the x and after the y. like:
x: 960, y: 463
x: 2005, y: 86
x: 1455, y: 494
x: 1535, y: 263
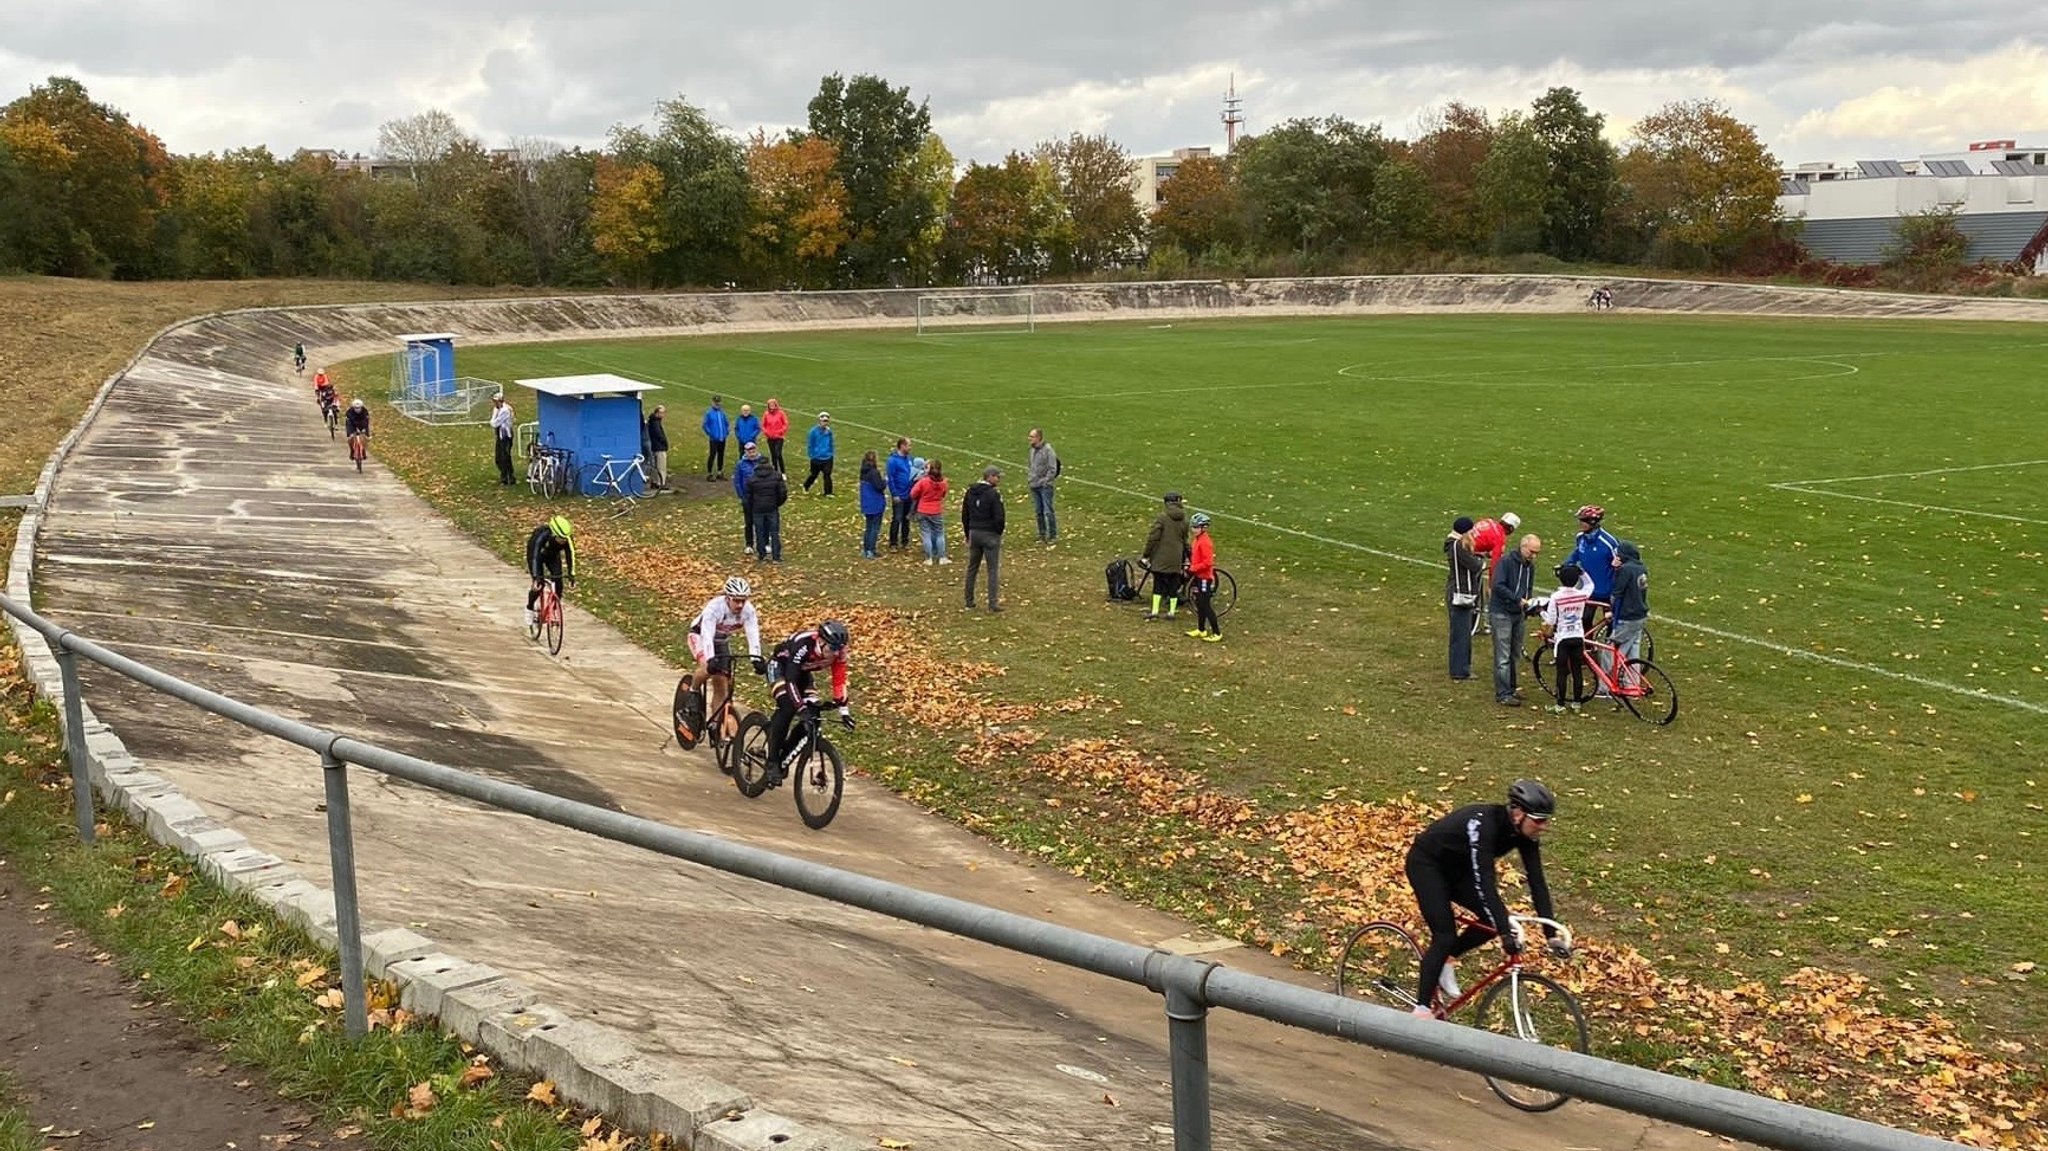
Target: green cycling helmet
x: 561, y: 528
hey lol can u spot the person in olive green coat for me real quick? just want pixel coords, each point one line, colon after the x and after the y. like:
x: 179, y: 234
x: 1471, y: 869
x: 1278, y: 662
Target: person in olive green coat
x: 1166, y: 554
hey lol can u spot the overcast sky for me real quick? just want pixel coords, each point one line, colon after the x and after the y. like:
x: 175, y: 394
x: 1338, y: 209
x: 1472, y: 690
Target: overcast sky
x: 1821, y: 81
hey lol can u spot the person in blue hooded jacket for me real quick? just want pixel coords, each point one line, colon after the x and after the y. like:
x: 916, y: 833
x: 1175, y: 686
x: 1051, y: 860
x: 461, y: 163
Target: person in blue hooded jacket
x: 750, y: 458
x: 746, y: 427
x: 899, y: 476
x: 717, y: 429
x: 874, y: 500
x: 1594, y: 553
x: 819, y: 446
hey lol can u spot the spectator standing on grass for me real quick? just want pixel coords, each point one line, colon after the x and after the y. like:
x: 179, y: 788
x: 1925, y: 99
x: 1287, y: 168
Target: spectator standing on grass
x: 501, y: 436
x: 1166, y: 554
x: 1462, y: 584
x: 742, y: 474
x: 1507, y: 608
x: 1042, y: 468
x: 983, y: 518
x: 874, y: 503
x: 818, y: 446
x: 775, y: 426
x: 1564, y: 627
x: 1594, y: 553
x: 657, y: 446
x: 1631, y: 603
x: 900, y: 478
x: 717, y: 429
x: 928, y: 497
x: 1202, y: 580
x: 746, y: 428
x: 767, y: 491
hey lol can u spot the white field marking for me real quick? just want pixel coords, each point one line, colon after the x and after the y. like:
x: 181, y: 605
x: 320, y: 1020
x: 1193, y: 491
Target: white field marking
x: 1643, y: 366
x: 251, y: 657
x: 205, y: 626
x: 1397, y: 557
x: 1907, y: 504
x: 1911, y: 475
x: 784, y: 355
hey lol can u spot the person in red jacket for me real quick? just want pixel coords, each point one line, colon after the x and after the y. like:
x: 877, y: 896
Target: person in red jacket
x: 1202, y: 576
x: 1490, y: 541
x: 775, y: 426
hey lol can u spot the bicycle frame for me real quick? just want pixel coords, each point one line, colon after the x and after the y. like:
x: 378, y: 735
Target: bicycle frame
x: 1621, y: 682
x: 1510, y: 963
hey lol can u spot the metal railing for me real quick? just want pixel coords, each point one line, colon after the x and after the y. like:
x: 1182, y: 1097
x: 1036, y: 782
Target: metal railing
x: 1190, y: 987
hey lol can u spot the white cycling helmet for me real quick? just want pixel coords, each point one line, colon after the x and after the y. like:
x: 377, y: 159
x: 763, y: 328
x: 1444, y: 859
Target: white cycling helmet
x: 738, y: 588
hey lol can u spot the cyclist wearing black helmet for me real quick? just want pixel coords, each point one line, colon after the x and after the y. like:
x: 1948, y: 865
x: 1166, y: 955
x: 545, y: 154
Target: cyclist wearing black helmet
x: 790, y: 670
x: 1452, y: 861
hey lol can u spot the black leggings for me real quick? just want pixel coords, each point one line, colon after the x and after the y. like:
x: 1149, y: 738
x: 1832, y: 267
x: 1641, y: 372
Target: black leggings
x: 1434, y: 894
x: 820, y: 468
x: 1571, y: 659
x: 1205, y: 606
x: 714, y: 457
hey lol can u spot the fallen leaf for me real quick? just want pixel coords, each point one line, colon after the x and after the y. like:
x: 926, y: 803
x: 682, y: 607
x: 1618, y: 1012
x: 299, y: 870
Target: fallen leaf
x: 145, y: 1125
x: 474, y: 1074
x: 172, y: 887
x: 896, y: 1144
x: 593, y: 1125
x: 347, y: 1132
x: 2023, y: 968
x: 311, y: 976
x: 1110, y: 1099
x: 543, y: 1093
x: 420, y: 1100
x: 231, y: 929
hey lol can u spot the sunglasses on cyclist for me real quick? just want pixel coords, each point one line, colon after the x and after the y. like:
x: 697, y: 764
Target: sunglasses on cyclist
x: 1538, y: 818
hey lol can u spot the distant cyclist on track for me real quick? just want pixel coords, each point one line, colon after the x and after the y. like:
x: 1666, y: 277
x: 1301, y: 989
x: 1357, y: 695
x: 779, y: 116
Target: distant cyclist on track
x: 550, y: 556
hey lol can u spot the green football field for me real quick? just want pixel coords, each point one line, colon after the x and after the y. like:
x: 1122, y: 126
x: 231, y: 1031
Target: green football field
x: 1839, y: 519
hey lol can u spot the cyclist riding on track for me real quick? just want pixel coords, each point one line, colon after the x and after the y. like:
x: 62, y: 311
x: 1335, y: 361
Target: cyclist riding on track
x: 357, y: 422
x: 550, y: 556
x: 299, y: 358
x: 711, y: 642
x: 323, y: 390
x: 1452, y: 861
x: 790, y: 670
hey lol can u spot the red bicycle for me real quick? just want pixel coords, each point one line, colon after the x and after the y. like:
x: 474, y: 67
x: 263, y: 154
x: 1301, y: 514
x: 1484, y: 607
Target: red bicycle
x: 1637, y: 684
x: 358, y: 448
x: 1382, y: 964
x: 547, y: 617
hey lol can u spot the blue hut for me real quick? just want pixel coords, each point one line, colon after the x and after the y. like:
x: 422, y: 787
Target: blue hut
x: 593, y: 417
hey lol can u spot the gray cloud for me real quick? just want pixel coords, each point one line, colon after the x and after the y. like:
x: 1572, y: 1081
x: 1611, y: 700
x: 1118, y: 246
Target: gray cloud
x: 1147, y: 71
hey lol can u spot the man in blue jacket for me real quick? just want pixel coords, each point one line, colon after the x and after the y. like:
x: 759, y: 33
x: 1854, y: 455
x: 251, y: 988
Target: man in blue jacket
x: 1594, y: 553
x: 899, y: 479
x: 717, y: 429
x: 819, y: 445
x: 747, y: 428
x: 750, y: 458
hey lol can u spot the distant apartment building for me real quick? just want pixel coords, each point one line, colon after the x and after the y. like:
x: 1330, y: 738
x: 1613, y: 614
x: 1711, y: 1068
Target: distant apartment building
x: 1997, y: 189
x: 382, y: 169
x: 1148, y: 172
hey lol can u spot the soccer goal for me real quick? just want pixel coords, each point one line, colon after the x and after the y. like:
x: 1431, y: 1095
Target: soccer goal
x: 978, y: 311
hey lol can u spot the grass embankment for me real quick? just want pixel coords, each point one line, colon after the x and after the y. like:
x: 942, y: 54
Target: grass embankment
x: 1815, y: 884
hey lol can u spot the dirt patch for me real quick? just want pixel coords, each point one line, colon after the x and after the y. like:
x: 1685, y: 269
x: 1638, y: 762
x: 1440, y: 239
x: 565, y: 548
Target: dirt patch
x: 106, y: 1073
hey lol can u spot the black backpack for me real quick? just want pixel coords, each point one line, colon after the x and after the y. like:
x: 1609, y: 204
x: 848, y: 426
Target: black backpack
x: 1118, y: 575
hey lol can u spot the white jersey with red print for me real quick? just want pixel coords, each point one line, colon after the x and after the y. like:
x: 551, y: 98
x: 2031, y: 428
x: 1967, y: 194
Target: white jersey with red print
x: 1565, y: 614
x: 716, y: 624
x: 804, y: 653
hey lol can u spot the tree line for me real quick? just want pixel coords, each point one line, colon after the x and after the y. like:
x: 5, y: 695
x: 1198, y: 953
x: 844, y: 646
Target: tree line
x: 867, y: 194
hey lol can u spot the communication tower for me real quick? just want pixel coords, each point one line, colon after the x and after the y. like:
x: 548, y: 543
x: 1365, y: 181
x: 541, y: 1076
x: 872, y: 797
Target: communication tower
x: 1233, y: 115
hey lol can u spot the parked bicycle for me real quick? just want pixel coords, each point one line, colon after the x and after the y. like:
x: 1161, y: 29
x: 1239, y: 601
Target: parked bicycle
x: 548, y: 470
x: 811, y: 763
x: 1637, y: 684
x: 547, y: 617
x: 1141, y: 578
x: 614, y: 478
x: 1382, y: 963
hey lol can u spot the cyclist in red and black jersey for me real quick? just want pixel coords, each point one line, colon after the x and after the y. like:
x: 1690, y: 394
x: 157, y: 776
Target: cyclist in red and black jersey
x: 1452, y: 861
x: 791, y: 669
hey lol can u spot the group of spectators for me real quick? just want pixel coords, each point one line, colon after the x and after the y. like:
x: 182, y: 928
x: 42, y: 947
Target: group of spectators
x: 1492, y: 584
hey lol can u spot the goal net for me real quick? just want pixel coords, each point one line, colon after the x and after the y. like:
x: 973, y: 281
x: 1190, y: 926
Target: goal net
x: 1000, y: 311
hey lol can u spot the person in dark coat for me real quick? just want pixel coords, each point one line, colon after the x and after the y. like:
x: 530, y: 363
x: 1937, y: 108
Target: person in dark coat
x: 750, y: 458
x: 1166, y: 554
x: 657, y: 446
x: 1462, y: 584
x: 982, y: 516
x: 874, y: 503
x: 767, y: 491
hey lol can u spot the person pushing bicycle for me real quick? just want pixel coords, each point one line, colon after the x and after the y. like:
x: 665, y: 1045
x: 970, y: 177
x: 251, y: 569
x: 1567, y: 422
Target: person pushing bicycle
x: 711, y: 644
x: 1452, y: 861
x: 550, y: 557
x: 790, y: 672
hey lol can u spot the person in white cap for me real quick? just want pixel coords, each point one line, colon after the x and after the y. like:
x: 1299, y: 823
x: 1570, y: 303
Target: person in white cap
x: 501, y: 436
x: 1490, y: 541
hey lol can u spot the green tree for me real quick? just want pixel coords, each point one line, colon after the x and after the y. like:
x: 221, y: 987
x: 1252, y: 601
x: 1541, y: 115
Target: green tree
x: 1001, y: 216
x: 1514, y: 186
x: 212, y: 213
x: 551, y: 189
x: 1453, y: 144
x: 880, y: 135
x: 703, y: 188
x: 1403, y: 207
x: 1093, y: 177
x: 926, y: 181
x: 100, y: 192
x: 1701, y: 184
x: 1199, y: 207
x: 1307, y: 184
x: 1582, y: 174
x: 1928, y: 247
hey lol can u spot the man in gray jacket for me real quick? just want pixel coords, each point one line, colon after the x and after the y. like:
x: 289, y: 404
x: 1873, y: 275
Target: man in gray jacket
x: 1631, y: 599
x: 1507, y: 607
x: 1042, y: 468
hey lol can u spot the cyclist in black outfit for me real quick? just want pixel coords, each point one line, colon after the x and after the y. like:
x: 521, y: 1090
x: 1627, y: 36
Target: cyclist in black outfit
x: 550, y: 555
x: 790, y: 671
x: 356, y: 422
x: 1452, y: 861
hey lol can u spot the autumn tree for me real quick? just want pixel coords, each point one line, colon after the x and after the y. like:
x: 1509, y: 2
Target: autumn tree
x: 1582, y: 174
x: 1104, y: 223
x: 798, y: 217
x: 215, y: 197
x: 1513, y: 191
x: 703, y: 191
x: 880, y: 136
x: 1449, y: 150
x: 1307, y: 184
x: 1001, y: 216
x: 1199, y: 207
x: 95, y: 178
x: 1700, y: 182
x: 626, y: 218
x: 925, y: 184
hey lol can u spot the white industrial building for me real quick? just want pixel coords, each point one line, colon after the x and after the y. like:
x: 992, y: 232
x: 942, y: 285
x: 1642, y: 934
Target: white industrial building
x: 1998, y: 190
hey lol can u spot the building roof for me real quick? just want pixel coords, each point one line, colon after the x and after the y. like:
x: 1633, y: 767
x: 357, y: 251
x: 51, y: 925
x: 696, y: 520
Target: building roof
x: 2000, y: 237
x: 424, y: 337
x: 603, y: 383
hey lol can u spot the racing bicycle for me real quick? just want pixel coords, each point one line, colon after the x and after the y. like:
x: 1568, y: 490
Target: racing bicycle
x: 1382, y: 964
x: 692, y: 726
x: 547, y: 617
x: 1637, y: 684
x: 810, y: 762
x: 1141, y: 578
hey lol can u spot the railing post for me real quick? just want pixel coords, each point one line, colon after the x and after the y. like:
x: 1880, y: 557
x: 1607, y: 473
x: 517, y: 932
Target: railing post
x: 74, y: 740
x: 1187, y: 1033
x: 348, y: 923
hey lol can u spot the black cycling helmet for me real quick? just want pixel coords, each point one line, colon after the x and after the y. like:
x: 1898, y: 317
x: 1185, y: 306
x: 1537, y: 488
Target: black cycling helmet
x: 1532, y: 797
x: 834, y: 634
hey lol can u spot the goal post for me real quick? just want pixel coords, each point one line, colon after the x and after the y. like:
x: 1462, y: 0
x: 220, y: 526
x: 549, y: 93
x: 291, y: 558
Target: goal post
x: 977, y: 311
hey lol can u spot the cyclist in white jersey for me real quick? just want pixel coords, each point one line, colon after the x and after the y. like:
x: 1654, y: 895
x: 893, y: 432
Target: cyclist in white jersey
x: 711, y: 642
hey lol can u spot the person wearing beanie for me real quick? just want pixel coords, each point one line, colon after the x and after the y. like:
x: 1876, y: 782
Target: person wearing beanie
x: 1166, y: 555
x: 1463, y: 586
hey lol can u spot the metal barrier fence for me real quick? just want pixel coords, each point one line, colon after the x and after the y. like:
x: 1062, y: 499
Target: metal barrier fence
x: 1190, y: 987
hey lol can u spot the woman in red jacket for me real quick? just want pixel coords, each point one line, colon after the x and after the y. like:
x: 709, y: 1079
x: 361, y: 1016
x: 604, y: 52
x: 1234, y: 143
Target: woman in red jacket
x: 1202, y: 573
x: 775, y: 426
x: 928, y: 500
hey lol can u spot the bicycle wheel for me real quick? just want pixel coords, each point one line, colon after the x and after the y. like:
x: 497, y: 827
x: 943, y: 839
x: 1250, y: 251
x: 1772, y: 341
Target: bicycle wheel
x: 1226, y: 593
x: 750, y: 768
x: 533, y: 629
x: 1543, y: 666
x: 1380, y: 964
x: 1649, y: 693
x: 727, y: 752
x: 551, y: 625
x: 1538, y: 1009
x: 686, y: 717
x: 819, y: 784
x: 1647, y: 650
